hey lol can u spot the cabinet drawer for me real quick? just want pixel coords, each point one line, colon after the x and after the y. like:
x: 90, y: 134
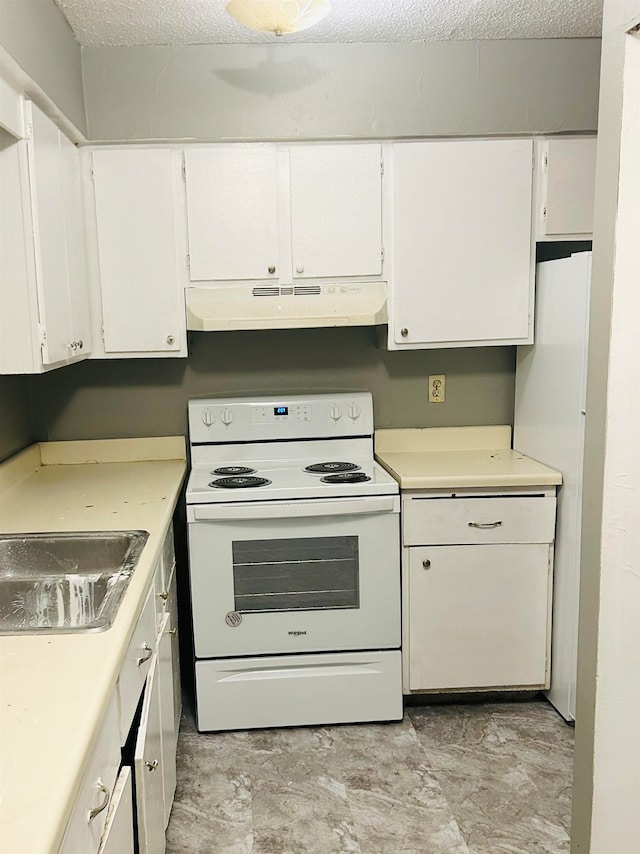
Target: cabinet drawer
x: 467, y: 521
x: 136, y: 665
x: 89, y: 814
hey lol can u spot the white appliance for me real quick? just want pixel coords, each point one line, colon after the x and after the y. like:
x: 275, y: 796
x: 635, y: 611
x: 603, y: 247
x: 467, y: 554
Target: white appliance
x: 550, y: 413
x: 294, y: 561
x: 241, y: 306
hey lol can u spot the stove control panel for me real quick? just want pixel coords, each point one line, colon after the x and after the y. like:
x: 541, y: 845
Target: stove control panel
x: 280, y: 414
x: 258, y: 419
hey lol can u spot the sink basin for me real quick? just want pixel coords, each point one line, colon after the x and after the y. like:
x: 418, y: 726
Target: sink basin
x: 61, y: 583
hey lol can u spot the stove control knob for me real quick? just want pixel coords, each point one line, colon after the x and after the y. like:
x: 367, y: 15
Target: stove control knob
x: 226, y: 417
x: 208, y: 417
x: 335, y: 412
x: 353, y: 411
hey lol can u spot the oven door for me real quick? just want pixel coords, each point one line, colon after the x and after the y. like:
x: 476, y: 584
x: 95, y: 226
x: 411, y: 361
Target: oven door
x: 295, y: 576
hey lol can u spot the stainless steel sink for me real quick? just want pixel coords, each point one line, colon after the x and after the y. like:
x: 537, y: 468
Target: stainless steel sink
x: 61, y: 583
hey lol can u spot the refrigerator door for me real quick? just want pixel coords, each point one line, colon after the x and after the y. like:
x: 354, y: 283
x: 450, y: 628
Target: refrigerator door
x: 549, y: 426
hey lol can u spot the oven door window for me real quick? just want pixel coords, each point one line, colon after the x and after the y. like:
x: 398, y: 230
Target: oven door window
x: 302, y: 574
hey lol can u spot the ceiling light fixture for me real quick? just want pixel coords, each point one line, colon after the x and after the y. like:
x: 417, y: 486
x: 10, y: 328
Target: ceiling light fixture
x: 278, y: 16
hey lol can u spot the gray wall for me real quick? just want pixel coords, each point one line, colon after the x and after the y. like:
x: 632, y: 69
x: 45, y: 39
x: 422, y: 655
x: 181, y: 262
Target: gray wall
x: 39, y: 39
x: 307, y: 91
x: 149, y: 397
x: 617, y: 17
x: 15, y: 415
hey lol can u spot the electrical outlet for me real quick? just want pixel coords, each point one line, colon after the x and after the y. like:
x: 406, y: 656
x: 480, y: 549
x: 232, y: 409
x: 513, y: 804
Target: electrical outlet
x: 437, y: 383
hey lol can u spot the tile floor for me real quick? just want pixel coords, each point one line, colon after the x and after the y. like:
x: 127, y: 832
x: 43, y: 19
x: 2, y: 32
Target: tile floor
x: 456, y: 779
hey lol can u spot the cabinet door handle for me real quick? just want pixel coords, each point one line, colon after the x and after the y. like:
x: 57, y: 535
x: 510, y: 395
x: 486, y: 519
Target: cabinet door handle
x: 485, y: 525
x: 147, y: 653
x: 152, y: 765
x: 426, y: 564
x: 164, y: 595
x: 105, y: 792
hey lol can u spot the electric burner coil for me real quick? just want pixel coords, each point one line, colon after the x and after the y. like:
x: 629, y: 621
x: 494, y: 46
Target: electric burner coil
x: 331, y: 468
x: 346, y: 477
x: 240, y: 482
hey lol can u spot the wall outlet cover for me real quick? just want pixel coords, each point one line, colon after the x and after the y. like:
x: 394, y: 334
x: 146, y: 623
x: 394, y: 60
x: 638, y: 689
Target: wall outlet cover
x: 437, y: 383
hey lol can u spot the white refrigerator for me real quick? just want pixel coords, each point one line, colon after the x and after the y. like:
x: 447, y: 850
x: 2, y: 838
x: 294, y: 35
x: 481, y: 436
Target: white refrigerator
x: 549, y: 426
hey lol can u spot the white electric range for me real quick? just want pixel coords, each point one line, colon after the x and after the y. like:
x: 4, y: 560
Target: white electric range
x: 294, y: 556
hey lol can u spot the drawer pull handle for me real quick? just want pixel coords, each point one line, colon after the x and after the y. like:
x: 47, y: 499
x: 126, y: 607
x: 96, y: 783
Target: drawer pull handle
x: 152, y: 765
x: 148, y: 652
x: 173, y: 632
x: 97, y: 810
x: 426, y: 564
x: 485, y: 525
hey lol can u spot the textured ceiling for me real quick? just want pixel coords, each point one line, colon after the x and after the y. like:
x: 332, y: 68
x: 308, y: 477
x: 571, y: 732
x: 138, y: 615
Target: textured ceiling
x: 173, y: 22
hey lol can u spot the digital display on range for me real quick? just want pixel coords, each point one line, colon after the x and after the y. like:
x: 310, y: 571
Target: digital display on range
x: 281, y: 410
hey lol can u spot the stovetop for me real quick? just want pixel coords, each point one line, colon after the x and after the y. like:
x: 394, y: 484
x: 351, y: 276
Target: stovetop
x: 286, y: 480
x: 257, y: 449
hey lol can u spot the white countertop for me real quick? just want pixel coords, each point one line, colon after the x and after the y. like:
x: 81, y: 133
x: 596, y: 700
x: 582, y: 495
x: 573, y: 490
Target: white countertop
x: 457, y: 457
x: 54, y: 689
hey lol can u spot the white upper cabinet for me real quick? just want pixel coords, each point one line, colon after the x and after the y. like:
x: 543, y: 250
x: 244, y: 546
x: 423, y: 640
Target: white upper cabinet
x: 48, y: 204
x: 336, y: 210
x: 462, y: 243
x: 44, y: 283
x: 78, y: 273
x: 232, y: 211
x: 279, y: 213
x: 566, y: 188
x: 139, y: 251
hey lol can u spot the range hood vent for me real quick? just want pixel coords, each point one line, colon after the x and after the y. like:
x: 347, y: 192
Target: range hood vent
x: 286, y: 307
x: 286, y: 290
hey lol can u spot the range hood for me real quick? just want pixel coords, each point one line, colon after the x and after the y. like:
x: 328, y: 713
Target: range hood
x: 285, y: 306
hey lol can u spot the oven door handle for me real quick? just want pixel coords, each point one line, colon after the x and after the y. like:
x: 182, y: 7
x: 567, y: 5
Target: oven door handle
x: 289, y: 509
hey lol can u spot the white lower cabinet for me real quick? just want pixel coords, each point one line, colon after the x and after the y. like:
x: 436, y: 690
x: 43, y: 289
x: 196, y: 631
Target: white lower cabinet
x: 479, y: 616
x: 477, y: 585
x: 167, y: 715
x: 148, y: 769
x: 118, y: 831
x: 88, y: 819
x: 135, y: 750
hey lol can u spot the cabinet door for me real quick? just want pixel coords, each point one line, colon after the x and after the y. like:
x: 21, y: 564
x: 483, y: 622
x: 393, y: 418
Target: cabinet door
x: 479, y: 616
x: 569, y: 172
x: 136, y: 664
x: 117, y: 837
x: 76, y: 248
x: 462, y: 242
x: 232, y: 211
x: 46, y: 177
x: 148, y: 769
x: 141, y: 275
x: 336, y: 210
x: 89, y: 816
x: 167, y: 715
x: 19, y: 338
x: 175, y: 649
